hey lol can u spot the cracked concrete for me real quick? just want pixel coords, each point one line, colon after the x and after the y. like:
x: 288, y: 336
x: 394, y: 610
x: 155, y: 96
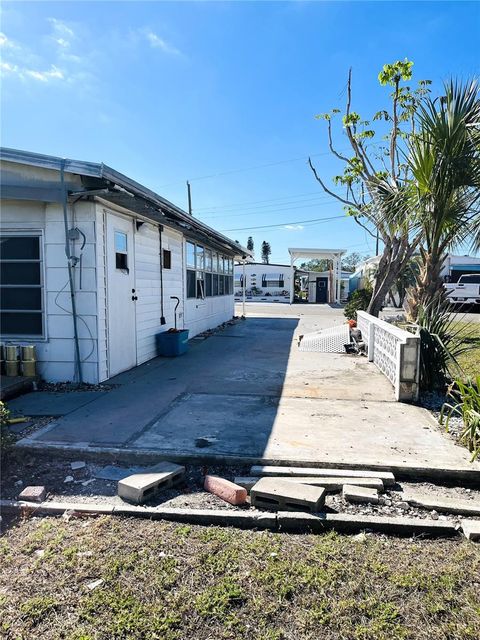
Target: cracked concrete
x: 249, y: 393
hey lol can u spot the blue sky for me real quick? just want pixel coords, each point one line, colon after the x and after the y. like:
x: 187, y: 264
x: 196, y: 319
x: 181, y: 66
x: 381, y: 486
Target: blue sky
x: 166, y: 92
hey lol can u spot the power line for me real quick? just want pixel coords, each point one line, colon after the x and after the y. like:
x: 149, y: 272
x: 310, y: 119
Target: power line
x: 254, y: 202
x: 284, y: 224
x: 274, y: 210
x: 258, y: 166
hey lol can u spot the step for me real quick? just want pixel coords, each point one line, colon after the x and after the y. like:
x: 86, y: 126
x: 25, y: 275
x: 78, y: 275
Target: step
x: 280, y: 494
x: 329, y: 484
x: 267, y: 470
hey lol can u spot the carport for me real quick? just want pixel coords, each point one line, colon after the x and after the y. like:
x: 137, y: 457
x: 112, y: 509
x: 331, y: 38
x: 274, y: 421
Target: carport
x: 331, y: 284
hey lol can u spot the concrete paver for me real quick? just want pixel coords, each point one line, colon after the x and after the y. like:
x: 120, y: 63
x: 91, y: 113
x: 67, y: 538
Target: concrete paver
x: 52, y: 403
x: 248, y: 393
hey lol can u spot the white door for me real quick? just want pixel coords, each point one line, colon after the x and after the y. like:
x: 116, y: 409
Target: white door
x: 122, y: 349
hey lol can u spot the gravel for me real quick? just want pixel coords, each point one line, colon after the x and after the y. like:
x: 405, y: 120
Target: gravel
x: 80, y: 485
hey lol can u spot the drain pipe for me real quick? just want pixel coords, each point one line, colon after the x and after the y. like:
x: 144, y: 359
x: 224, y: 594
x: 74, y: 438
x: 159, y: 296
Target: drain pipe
x: 162, y: 317
x: 71, y: 266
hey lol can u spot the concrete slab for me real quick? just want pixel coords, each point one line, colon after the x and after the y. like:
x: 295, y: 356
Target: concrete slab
x: 440, y: 503
x: 386, y: 477
x: 249, y: 394
x: 471, y: 529
x: 355, y: 493
x: 48, y: 403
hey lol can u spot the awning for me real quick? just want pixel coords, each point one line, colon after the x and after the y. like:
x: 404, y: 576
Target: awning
x: 273, y: 277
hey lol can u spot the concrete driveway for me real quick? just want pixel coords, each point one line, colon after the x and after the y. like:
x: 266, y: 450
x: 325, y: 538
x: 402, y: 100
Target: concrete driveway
x: 248, y: 394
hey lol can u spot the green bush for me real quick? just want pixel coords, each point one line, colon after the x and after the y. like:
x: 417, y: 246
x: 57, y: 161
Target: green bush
x: 442, y: 341
x: 359, y: 301
x: 465, y: 398
x: 6, y: 437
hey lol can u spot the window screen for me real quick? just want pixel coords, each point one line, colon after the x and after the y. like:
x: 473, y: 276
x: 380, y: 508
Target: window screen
x: 21, y: 299
x: 167, y: 259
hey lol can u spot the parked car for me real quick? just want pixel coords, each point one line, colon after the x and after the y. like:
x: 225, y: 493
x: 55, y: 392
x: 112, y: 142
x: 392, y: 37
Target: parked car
x: 466, y: 290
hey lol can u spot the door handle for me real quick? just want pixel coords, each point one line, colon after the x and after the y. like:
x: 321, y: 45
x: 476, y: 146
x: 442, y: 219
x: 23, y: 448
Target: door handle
x: 134, y: 298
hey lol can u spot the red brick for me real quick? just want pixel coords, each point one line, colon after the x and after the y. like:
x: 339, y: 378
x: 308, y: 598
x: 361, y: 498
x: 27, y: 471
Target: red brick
x: 226, y: 490
x: 33, y: 494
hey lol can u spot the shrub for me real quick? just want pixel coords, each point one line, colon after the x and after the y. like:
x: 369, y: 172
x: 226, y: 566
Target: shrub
x: 465, y: 398
x: 6, y: 437
x: 442, y: 341
x: 359, y: 301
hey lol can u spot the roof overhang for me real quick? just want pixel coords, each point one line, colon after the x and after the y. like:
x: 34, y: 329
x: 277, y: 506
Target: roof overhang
x: 315, y: 254
x: 120, y: 189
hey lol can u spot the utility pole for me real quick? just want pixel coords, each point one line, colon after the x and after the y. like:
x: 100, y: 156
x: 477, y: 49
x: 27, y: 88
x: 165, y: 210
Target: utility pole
x: 189, y: 198
x: 376, y: 243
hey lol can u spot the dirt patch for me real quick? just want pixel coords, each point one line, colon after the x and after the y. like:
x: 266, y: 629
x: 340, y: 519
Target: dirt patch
x: 64, y: 484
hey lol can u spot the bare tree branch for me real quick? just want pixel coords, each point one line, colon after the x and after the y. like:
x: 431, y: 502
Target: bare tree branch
x: 327, y: 190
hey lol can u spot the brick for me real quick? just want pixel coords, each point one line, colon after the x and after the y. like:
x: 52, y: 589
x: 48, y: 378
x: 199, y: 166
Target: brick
x: 33, y: 494
x: 354, y: 493
x: 447, y: 505
x: 143, y: 486
x: 281, y: 494
x: 265, y: 470
x: 226, y: 490
x: 471, y: 529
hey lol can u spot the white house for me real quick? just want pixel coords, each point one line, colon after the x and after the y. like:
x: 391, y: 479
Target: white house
x: 93, y: 265
x: 275, y: 283
x: 266, y: 282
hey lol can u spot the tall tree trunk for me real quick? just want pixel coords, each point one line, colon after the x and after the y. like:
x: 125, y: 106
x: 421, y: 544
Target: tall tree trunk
x: 429, y: 285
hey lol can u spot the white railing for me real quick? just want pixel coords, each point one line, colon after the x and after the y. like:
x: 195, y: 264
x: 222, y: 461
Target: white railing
x: 395, y: 352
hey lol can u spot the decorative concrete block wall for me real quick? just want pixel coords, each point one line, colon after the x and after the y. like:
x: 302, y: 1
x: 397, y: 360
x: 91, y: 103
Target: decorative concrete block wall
x: 395, y: 352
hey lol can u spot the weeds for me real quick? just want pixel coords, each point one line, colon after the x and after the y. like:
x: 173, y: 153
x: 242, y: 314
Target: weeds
x: 465, y: 403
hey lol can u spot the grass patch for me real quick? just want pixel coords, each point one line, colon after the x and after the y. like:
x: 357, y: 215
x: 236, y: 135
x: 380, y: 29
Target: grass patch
x: 169, y: 582
x: 469, y: 361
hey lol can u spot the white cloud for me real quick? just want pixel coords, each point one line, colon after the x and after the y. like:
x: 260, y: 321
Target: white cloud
x: 47, y: 63
x: 62, y: 33
x: 7, y: 43
x: 293, y: 227
x: 54, y: 73
x: 157, y: 42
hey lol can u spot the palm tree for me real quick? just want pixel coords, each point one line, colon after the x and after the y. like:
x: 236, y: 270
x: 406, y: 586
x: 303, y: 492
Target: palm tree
x: 444, y: 159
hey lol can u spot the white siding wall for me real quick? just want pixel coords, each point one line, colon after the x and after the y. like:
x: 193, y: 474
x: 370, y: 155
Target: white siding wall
x: 148, y: 289
x: 55, y: 351
x: 147, y: 285
x: 201, y: 315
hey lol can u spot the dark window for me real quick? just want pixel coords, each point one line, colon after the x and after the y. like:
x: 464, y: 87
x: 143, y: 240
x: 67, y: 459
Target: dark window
x: 21, y: 324
x: 21, y: 286
x: 190, y: 284
x: 21, y: 298
x: 215, y: 284
x: 200, y: 286
x: 121, y: 257
x: 221, y: 285
x: 230, y: 285
x: 20, y: 248
x: 20, y: 272
x: 121, y: 261
x: 208, y: 285
x: 470, y: 279
x: 167, y: 259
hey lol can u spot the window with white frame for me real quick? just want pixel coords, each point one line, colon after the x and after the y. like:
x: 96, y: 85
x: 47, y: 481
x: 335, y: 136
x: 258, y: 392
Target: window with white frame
x: 208, y: 273
x: 21, y: 285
